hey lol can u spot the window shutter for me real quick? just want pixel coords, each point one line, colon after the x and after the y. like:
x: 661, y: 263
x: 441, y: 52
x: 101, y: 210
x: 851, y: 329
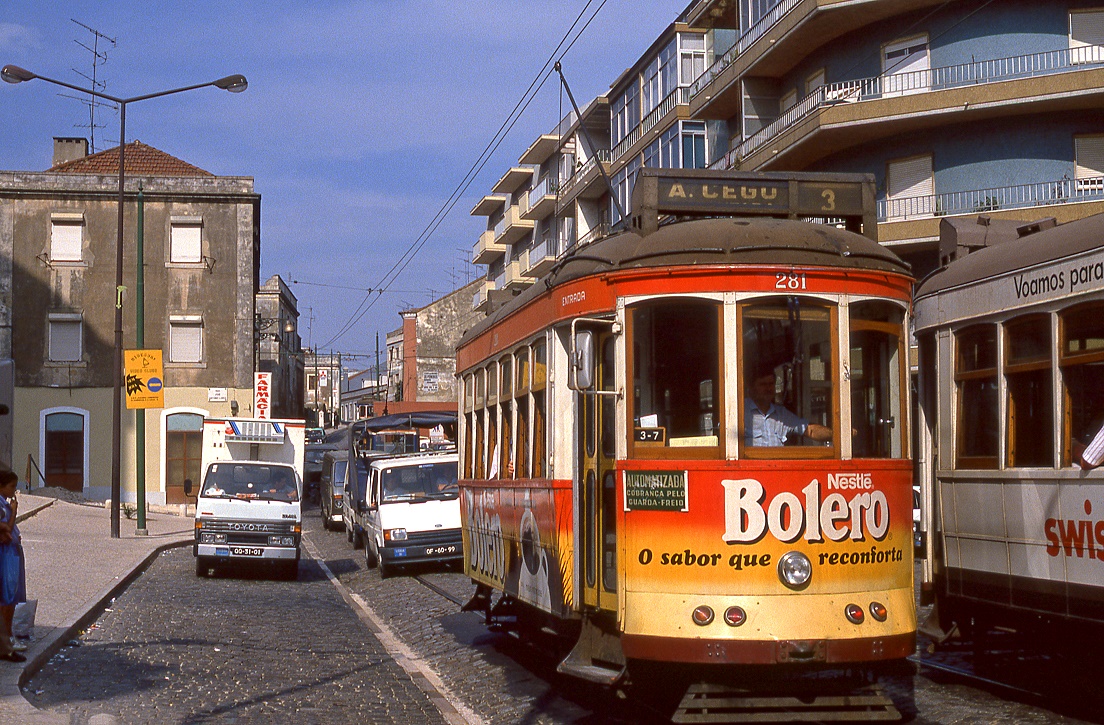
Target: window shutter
x: 910, y: 187
x: 186, y: 245
x: 65, y: 241
x: 185, y: 342
x: 65, y: 340
x: 1086, y: 39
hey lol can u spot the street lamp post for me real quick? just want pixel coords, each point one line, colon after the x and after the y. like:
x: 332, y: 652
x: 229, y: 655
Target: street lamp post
x: 234, y: 84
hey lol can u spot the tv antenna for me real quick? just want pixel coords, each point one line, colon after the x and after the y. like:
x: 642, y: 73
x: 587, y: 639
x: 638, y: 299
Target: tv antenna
x: 101, y: 43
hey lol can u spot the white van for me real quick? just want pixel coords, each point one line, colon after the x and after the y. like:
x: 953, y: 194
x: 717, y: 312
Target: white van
x: 411, y: 511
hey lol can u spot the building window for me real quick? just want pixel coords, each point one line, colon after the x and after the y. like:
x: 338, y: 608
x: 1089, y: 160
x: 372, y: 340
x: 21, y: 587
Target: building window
x: 65, y: 337
x: 906, y: 67
x: 1088, y: 163
x: 691, y: 57
x: 693, y: 145
x: 66, y: 238
x: 625, y: 113
x: 1086, y: 38
x: 185, y: 241
x: 910, y: 188
x: 185, y: 339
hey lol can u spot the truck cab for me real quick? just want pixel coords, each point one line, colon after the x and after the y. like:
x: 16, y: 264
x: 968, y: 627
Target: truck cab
x: 411, y: 511
x: 249, y: 499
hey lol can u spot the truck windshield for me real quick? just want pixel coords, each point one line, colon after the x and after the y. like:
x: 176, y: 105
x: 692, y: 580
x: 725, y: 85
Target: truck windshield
x: 419, y: 483
x: 250, y: 481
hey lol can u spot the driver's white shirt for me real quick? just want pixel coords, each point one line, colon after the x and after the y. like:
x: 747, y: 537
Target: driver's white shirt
x: 770, y: 428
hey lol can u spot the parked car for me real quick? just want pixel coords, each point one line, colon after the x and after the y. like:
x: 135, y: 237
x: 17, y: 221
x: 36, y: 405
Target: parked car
x: 312, y: 467
x: 316, y: 435
x: 331, y: 488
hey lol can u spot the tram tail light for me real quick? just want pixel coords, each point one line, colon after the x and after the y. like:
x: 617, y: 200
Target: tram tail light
x: 735, y: 616
x: 878, y: 611
x: 854, y: 613
x: 702, y: 615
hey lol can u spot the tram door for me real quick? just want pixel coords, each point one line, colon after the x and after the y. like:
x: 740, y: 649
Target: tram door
x: 598, y: 485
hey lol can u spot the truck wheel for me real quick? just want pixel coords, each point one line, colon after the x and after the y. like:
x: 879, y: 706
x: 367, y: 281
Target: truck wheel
x: 385, y: 569
x: 203, y: 567
x: 358, y: 538
x: 348, y: 533
x: 370, y: 557
x: 325, y: 518
x: 290, y: 570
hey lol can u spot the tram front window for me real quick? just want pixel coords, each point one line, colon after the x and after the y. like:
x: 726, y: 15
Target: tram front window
x: 874, y: 367
x: 787, y: 376
x: 675, y: 372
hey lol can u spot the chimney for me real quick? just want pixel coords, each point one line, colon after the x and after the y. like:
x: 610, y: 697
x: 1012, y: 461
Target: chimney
x: 68, y: 149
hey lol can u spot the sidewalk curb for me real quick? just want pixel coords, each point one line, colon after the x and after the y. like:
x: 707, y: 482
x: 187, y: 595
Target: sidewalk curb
x: 20, y: 518
x: 43, y: 650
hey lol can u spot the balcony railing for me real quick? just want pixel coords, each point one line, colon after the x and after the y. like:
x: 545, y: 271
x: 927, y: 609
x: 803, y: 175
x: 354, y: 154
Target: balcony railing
x: 936, y: 79
x: 583, y: 169
x: 548, y: 186
x: 594, y: 234
x: 756, y: 31
x: 675, y: 97
x: 978, y: 201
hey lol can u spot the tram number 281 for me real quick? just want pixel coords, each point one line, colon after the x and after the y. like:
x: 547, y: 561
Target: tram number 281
x: 789, y: 280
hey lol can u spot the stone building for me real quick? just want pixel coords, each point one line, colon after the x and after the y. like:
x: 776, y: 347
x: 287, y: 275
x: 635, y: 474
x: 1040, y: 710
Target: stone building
x: 279, y: 347
x: 58, y: 231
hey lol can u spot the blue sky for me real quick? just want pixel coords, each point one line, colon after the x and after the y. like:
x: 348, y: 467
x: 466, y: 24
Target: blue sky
x: 360, y: 120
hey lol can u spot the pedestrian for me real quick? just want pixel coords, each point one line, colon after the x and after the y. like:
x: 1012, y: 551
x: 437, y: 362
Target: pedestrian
x: 13, y: 572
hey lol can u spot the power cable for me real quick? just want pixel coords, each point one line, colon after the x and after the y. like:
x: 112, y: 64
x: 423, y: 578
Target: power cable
x: 496, y: 140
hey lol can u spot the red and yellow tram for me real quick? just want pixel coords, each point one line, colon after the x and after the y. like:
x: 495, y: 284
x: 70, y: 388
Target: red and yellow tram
x: 688, y: 444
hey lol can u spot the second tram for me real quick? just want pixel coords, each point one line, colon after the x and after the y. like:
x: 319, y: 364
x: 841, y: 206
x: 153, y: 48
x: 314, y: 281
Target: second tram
x: 1012, y: 387
x: 687, y: 447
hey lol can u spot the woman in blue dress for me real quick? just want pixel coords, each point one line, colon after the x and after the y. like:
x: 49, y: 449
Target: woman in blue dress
x: 13, y: 573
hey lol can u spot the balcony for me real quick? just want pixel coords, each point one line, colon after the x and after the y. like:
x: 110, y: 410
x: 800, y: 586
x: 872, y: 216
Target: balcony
x: 596, y: 233
x: 581, y: 184
x: 908, y: 219
x: 513, y: 179
x: 841, y: 115
x: 541, y: 258
x: 679, y: 96
x: 512, y: 277
x: 490, y: 205
x: 513, y: 227
x: 542, y: 199
x: 482, y: 297
x: 779, y: 41
x: 487, y: 249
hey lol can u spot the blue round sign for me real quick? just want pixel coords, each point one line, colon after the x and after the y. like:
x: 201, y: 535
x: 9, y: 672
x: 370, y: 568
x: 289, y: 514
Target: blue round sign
x: 154, y: 385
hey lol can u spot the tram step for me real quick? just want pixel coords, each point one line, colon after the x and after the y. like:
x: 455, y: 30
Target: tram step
x: 707, y: 703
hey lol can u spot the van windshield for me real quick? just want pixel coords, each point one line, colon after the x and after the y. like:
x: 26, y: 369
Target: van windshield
x: 250, y: 481
x: 419, y: 483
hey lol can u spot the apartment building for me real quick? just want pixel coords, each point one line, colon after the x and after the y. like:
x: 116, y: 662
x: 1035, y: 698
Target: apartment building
x: 959, y: 108
x: 279, y: 347
x: 956, y: 108
x: 560, y: 195
x: 58, y: 228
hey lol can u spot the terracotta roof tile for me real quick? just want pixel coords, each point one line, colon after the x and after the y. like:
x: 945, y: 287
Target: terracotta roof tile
x: 141, y: 160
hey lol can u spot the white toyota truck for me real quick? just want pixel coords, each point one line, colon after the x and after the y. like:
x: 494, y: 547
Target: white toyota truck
x: 249, y: 500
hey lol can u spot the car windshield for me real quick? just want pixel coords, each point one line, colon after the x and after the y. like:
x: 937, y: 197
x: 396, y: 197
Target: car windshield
x: 420, y: 483
x: 314, y: 456
x: 250, y: 481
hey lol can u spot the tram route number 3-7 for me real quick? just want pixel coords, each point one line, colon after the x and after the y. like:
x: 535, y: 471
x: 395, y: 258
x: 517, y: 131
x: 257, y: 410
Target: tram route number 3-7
x: 789, y: 280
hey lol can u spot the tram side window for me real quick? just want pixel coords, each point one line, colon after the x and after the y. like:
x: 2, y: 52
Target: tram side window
x: 977, y: 422
x: 877, y: 402
x: 521, y: 402
x: 540, y: 386
x: 506, y: 450
x: 676, y: 365
x: 1081, y: 358
x: 1030, y: 422
x: 788, y: 378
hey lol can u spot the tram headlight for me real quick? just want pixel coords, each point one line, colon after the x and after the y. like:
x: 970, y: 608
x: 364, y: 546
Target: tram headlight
x: 795, y: 570
x: 702, y: 615
x: 735, y: 616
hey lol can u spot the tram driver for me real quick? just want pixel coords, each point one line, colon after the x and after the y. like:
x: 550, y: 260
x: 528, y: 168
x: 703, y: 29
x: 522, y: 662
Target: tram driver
x: 767, y: 423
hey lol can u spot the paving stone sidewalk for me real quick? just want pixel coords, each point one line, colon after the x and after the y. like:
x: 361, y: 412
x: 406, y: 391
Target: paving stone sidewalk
x: 74, y: 569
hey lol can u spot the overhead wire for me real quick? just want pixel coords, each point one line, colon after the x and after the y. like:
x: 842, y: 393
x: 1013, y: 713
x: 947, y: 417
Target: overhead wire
x: 484, y: 157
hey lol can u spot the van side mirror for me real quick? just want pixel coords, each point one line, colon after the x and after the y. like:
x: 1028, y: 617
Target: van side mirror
x: 582, y: 362
x: 187, y: 487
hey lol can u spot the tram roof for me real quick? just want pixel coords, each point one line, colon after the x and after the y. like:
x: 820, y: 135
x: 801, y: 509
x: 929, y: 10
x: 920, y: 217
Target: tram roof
x: 1039, y: 248
x: 712, y: 241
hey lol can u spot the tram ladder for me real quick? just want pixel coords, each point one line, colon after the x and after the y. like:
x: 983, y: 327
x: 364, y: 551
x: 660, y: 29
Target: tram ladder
x: 709, y: 703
